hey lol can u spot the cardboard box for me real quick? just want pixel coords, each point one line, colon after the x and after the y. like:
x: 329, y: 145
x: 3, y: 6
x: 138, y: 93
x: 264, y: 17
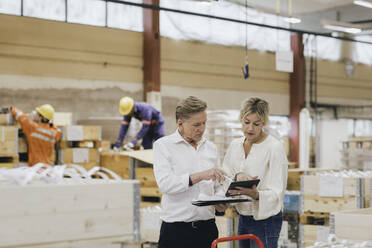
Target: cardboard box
x: 82, y: 133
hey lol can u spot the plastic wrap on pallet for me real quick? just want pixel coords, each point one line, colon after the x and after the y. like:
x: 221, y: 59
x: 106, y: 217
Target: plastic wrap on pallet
x: 333, y: 241
x: 53, y: 174
x: 150, y: 223
x: 292, y: 201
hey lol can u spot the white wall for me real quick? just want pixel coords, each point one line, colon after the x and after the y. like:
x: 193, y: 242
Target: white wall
x: 332, y: 133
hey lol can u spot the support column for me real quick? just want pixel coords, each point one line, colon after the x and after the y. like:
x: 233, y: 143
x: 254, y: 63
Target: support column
x: 297, y: 95
x: 151, y: 55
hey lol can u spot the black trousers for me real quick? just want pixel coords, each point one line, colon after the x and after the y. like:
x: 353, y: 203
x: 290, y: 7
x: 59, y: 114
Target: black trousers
x: 197, y: 234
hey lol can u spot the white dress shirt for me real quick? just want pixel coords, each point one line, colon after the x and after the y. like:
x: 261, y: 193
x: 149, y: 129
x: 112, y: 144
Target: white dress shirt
x: 268, y: 161
x: 174, y: 161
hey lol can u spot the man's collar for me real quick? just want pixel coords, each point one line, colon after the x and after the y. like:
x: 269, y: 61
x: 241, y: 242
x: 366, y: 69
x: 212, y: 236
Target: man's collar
x: 176, y: 137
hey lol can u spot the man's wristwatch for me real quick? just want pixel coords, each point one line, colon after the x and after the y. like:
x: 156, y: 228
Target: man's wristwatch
x: 190, y: 182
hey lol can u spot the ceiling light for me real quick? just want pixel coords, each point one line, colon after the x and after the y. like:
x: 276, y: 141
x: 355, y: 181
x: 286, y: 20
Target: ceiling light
x: 292, y: 19
x: 363, y: 3
x: 342, y: 27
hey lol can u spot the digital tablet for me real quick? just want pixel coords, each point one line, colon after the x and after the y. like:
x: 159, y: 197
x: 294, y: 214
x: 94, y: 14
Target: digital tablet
x: 215, y: 202
x: 244, y: 184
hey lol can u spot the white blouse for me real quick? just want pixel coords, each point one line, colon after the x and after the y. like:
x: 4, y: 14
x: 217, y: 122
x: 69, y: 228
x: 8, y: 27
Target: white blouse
x: 266, y: 160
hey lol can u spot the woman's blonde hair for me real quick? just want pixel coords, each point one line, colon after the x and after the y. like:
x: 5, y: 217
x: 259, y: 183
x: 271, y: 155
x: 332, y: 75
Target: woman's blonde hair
x: 257, y: 106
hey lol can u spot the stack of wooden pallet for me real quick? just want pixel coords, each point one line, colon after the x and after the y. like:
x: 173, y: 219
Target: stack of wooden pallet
x: 357, y: 153
x: 323, y: 194
x: 80, y: 145
x: 8, y: 141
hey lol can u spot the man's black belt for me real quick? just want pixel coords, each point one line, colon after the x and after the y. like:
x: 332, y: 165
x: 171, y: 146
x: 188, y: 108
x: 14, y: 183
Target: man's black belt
x: 194, y: 224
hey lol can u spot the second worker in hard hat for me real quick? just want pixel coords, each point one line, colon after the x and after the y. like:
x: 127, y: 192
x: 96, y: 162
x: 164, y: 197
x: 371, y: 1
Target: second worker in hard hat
x: 153, y: 126
x: 40, y: 133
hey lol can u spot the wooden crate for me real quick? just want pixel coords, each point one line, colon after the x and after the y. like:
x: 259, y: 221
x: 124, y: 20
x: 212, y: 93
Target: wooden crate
x: 294, y: 176
x: 117, y: 162
x: 354, y: 225
x: 68, y: 213
x: 6, y: 119
x: 313, y: 201
x: 309, y: 234
x: 146, y: 177
x: 81, y: 133
x: 8, y: 141
x: 86, y: 157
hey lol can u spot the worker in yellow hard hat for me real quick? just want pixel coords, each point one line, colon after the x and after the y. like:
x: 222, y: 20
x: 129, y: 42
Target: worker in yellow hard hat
x: 40, y: 133
x: 153, y: 126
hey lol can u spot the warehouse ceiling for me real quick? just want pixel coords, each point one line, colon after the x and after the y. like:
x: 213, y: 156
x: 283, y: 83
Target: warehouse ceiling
x: 314, y: 13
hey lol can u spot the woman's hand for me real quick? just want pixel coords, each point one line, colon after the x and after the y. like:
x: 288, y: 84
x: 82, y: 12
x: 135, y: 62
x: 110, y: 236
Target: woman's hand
x: 244, y: 177
x: 251, y: 192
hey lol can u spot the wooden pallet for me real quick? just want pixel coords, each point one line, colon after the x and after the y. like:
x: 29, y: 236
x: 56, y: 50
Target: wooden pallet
x: 310, y: 218
x: 150, y: 194
x: 9, y: 162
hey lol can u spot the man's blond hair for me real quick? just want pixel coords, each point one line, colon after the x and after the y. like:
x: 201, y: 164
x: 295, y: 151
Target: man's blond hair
x: 189, y: 106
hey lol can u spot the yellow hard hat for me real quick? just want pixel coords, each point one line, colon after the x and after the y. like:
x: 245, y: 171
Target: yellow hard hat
x: 46, y: 111
x: 126, y: 105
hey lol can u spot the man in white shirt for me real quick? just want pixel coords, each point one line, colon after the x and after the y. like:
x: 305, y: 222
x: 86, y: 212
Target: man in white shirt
x: 185, y: 166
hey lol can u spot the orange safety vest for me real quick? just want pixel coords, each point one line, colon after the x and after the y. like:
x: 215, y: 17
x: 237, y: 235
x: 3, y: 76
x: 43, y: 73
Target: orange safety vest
x: 40, y: 137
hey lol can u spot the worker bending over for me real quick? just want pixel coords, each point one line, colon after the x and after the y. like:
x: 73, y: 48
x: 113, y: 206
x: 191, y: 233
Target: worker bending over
x: 153, y: 126
x: 41, y: 134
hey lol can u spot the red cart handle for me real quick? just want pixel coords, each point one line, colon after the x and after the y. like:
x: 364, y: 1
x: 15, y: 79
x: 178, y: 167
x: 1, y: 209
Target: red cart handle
x: 239, y: 237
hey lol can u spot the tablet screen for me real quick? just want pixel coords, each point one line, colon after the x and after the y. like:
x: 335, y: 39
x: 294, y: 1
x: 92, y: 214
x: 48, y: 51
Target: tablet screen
x: 244, y: 184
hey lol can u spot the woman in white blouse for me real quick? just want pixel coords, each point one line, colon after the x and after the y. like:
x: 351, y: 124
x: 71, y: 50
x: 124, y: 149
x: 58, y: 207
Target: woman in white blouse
x: 258, y: 155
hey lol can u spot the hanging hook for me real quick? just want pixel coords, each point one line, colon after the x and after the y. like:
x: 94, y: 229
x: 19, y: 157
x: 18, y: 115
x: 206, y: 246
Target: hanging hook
x: 245, y: 69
